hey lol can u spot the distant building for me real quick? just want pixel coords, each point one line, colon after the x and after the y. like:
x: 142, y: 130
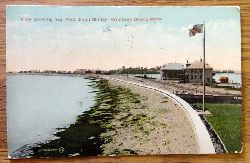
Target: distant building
x: 80, y: 71
x: 194, y: 72
x: 61, y: 72
x: 172, y: 71
x: 49, y: 71
x: 98, y: 72
x: 34, y: 71
x: 89, y: 71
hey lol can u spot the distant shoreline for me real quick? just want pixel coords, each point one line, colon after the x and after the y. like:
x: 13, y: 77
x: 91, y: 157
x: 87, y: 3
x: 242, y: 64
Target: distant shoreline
x: 176, y: 88
x: 56, y: 74
x: 43, y: 74
x: 93, y: 73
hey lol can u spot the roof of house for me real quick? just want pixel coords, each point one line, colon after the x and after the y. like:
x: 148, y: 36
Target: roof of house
x: 198, y: 65
x: 173, y: 66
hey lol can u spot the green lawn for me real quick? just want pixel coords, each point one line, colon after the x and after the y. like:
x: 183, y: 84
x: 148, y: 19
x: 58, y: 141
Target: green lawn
x: 227, y: 121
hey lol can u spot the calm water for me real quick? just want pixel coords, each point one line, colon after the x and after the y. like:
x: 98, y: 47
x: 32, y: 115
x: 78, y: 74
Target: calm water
x: 37, y: 105
x: 233, y: 77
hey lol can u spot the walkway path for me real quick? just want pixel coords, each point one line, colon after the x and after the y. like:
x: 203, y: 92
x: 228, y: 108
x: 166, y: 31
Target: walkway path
x: 202, y: 135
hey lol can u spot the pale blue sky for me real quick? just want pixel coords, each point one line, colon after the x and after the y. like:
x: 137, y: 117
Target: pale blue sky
x: 71, y: 45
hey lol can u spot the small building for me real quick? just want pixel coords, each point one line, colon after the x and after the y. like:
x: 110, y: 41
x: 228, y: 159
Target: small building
x: 224, y: 80
x: 194, y: 72
x: 172, y: 71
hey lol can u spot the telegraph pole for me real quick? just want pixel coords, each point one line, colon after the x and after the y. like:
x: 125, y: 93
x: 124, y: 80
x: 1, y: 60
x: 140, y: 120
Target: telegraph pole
x: 204, y: 62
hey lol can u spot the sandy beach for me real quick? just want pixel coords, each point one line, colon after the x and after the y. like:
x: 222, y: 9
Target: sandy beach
x: 163, y: 127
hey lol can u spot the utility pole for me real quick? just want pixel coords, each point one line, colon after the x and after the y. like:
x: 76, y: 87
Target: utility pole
x: 204, y: 64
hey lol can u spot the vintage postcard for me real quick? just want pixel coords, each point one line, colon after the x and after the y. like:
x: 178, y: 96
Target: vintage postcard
x: 111, y: 81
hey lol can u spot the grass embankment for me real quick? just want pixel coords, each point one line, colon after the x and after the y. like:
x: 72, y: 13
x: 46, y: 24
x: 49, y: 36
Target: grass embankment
x: 83, y: 137
x: 227, y: 122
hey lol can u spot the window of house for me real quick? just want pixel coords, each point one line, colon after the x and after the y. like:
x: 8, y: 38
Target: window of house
x: 200, y: 76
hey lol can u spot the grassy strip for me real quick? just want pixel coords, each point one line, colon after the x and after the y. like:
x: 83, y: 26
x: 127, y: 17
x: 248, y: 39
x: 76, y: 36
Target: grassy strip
x: 227, y: 122
x: 226, y: 87
x: 83, y: 137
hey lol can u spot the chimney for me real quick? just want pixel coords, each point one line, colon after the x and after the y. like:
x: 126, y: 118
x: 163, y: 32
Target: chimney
x: 187, y: 64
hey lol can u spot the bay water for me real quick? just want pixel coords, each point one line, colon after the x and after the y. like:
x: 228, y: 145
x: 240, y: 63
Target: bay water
x: 37, y: 105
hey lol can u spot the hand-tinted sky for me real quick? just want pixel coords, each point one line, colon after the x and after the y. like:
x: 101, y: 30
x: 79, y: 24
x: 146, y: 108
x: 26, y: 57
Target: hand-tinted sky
x: 110, y: 45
